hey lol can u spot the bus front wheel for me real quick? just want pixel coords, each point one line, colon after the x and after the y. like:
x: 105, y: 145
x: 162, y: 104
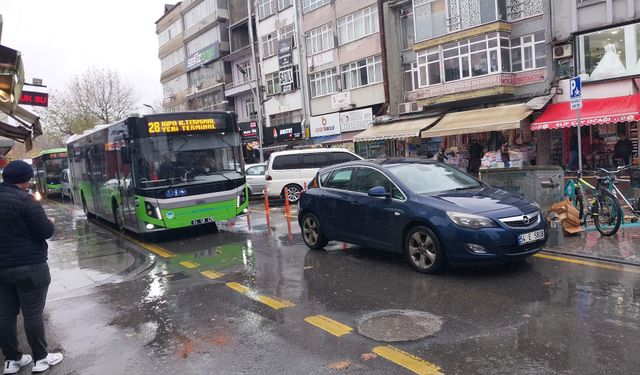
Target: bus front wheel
x: 117, y: 217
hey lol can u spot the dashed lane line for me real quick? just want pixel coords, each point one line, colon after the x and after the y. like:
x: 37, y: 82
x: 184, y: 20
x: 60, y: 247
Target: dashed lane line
x: 188, y: 264
x: 274, y: 303
x: 212, y: 274
x: 332, y: 326
x: 407, y: 360
x: 590, y: 263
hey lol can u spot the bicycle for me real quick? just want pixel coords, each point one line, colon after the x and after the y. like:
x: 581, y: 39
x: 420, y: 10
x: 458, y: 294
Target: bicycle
x: 603, y: 208
x: 634, y: 183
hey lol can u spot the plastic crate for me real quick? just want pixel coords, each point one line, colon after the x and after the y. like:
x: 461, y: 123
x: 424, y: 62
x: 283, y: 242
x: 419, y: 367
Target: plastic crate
x: 635, y: 177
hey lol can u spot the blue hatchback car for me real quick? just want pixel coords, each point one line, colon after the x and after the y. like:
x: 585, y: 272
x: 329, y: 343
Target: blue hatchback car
x: 431, y: 212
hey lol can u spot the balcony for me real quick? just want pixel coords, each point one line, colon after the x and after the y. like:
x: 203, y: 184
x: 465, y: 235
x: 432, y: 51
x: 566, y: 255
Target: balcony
x: 238, y: 88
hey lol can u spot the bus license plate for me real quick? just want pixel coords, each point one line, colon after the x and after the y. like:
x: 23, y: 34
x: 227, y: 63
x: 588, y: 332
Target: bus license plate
x: 204, y: 220
x: 526, y: 238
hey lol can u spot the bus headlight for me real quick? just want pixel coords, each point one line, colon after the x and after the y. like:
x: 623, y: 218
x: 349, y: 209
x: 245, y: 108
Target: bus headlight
x: 242, y: 197
x: 152, y: 211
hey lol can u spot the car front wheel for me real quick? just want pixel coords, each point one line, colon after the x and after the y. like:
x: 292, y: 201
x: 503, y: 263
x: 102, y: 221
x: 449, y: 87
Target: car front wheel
x: 423, y: 250
x: 312, y: 232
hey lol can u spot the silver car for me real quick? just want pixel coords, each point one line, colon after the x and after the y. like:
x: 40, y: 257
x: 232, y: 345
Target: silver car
x: 255, y: 177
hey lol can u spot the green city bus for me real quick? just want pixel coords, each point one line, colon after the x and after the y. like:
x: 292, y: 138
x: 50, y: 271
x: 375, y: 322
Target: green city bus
x: 161, y: 171
x: 48, y: 167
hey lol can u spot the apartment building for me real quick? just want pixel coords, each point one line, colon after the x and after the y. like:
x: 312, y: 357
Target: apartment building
x: 193, y: 37
x: 279, y: 71
x: 344, y: 67
x: 242, y: 89
x: 599, y: 40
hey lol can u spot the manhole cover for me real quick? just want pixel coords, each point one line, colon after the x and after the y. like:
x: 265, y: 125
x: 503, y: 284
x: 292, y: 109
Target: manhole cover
x: 399, y: 325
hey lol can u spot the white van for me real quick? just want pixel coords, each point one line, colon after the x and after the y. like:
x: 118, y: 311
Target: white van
x: 292, y: 169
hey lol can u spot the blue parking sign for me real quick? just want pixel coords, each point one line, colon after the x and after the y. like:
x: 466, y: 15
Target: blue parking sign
x: 575, y: 92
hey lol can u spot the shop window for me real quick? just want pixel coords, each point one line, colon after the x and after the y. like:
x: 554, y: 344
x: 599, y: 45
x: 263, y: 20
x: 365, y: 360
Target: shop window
x: 609, y: 53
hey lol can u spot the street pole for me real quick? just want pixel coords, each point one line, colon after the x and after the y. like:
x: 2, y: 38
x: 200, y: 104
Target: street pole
x: 302, y: 69
x: 579, y: 143
x: 256, y: 91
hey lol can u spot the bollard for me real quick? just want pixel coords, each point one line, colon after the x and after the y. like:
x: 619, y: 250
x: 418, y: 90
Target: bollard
x: 266, y: 200
x: 287, y: 208
x: 289, y: 232
x: 249, y: 220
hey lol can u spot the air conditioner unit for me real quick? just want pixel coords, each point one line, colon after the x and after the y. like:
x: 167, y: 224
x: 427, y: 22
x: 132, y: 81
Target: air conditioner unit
x: 562, y: 51
x: 408, y: 107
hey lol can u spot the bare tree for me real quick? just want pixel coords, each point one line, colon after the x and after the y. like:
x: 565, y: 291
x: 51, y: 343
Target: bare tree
x: 98, y: 96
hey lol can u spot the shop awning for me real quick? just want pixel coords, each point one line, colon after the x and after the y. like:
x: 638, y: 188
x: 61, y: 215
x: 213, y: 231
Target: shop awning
x: 338, y: 138
x: 593, y: 112
x: 479, y: 121
x: 396, y: 130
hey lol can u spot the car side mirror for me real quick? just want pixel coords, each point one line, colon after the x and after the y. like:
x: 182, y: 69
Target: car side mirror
x: 379, y: 191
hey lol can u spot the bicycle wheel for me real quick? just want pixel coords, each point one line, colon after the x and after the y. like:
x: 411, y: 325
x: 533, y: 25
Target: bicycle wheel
x: 578, y: 202
x: 609, y: 214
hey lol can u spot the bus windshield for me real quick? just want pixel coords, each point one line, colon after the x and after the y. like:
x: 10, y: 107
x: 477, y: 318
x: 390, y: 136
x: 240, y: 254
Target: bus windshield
x: 53, y: 168
x: 177, y: 159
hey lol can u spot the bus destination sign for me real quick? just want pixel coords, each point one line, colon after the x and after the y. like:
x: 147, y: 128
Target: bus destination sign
x: 181, y: 126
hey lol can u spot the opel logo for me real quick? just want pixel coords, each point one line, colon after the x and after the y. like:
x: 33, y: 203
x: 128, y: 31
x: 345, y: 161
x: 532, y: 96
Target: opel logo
x: 526, y: 220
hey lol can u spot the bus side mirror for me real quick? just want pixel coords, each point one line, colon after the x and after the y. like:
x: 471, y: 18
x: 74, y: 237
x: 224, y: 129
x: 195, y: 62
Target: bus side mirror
x: 125, y: 154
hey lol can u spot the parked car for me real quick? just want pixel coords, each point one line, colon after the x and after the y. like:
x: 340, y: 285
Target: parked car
x: 431, y: 212
x: 255, y: 174
x: 288, y: 171
x: 65, y: 181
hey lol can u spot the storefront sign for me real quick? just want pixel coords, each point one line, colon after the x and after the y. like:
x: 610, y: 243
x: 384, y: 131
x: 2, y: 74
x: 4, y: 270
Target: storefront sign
x: 585, y: 122
x: 248, y: 131
x: 38, y: 99
x: 203, y: 56
x: 316, y: 62
x: 328, y: 124
x: 484, y: 82
x: 341, y: 100
x: 285, y: 64
x: 282, y: 133
x: 359, y: 119
x: 287, y: 82
x: 634, y: 138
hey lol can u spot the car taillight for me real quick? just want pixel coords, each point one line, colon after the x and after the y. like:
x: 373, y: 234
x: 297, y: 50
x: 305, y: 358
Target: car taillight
x: 267, y: 177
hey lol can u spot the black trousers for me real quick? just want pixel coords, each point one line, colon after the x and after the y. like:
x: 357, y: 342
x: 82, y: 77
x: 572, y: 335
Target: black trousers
x: 23, y: 289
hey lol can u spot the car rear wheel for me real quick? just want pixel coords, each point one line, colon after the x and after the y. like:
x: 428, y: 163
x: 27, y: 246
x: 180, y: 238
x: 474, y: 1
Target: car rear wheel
x: 423, y: 250
x: 292, y: 193
x: 312, y: 232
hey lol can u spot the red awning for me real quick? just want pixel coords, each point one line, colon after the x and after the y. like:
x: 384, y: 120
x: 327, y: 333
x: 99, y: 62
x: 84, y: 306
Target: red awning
x: 593, y: 112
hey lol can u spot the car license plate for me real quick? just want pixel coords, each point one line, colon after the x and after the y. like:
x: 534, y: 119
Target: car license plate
x: 530, y: 237
x: 204, y: 220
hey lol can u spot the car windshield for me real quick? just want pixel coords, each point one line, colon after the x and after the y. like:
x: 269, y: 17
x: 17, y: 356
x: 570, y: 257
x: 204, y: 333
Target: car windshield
x: 432, y: 178
x: 172, y: 160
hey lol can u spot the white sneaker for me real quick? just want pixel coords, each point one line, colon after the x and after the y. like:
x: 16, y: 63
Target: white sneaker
x: 50, y: 360
x: 11, y: 367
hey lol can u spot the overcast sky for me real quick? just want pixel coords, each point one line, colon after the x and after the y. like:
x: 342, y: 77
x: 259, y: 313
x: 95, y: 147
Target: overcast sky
x: 61, y: 39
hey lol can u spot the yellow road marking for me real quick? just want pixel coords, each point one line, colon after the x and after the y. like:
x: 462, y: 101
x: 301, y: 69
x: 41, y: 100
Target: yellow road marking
x: 153, y: 248
x: 274, y: 303
x: 591, y: 263
x: 189, y: 264
x: 212, y: 274
x: 237, y: 287
x: 333, y: 327
x: 406, y: 360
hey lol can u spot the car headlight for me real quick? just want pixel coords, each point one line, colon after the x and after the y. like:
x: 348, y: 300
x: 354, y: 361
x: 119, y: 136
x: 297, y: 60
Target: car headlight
x: 470, y: 221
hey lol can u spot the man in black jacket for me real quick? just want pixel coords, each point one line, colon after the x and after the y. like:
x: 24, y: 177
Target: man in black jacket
x: 24, y: 273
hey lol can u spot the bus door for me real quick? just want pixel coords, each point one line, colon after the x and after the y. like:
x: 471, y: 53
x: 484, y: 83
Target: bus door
x: 125, y: 177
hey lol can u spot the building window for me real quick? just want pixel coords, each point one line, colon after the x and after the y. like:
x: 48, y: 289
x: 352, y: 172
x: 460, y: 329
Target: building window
x: 247, y: 76
x: 199, y: 12
x: 528, y: 52
x: 358, y: 24
x: 324, y: 83
x: 609, y: 53
x: 246, y: 109
x: 430, y: 18
x: 267, y: 8
x: 170, y: 32
x: 407, y: 31
x: 411, y: 79
x: 309, y: 5
x: 204, y: 40
x: 273, y: 83
x: 428, y: 65
x: 174, y: 86
x: 213, y: 72
x: 361, y: 73
x: 286, y: 118
x: 288, y: 32
x: 269, y: 45
x: 284, y: 4
x: 173, y: 59
x: 319, y: 39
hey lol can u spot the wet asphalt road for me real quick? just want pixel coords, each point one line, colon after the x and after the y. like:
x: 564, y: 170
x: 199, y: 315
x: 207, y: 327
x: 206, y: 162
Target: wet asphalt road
x: 235, y: 302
